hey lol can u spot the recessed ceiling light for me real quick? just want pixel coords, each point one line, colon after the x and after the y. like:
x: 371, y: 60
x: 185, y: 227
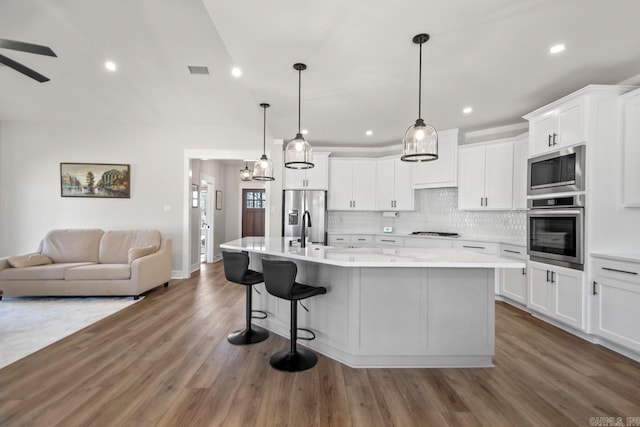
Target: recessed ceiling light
x: 467, y: 110
x: 304, y: 131
x: 110, y: 65
x: 236, y: 72
x: 369, y: 132
x: 556, y: 48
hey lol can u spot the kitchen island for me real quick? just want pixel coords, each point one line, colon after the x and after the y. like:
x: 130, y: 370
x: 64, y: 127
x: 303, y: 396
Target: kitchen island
x: 388, y: 307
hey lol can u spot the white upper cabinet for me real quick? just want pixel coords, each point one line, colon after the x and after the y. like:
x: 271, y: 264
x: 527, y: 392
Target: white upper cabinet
x: 631, y: 149
x: 485, y: 180
x: 352, y: 185
x: 554, y: 128
x: 394, y: 189
x: 315, y: 178
x: 442, y: 172
x: 520, y: 155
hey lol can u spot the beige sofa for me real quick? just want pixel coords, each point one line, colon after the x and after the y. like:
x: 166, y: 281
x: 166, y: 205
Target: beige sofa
x: 89, y: 262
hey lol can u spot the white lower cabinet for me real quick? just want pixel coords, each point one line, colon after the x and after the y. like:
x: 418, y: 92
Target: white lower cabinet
x: 350, y: 240
x: 615, y: 292
x: 422, y: 242
x: 513, y: 282
x: 388, y: 241
x: 557, y: 292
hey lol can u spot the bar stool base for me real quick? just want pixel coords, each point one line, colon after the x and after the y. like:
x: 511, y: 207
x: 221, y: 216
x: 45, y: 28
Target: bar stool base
x: 301, y: 360
x: 248, y: 336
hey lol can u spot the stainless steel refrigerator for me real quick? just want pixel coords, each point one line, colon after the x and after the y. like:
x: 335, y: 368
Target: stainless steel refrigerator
x: 295, y: 203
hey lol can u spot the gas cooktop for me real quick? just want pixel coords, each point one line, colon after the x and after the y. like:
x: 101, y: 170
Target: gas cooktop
x: 434, y: 233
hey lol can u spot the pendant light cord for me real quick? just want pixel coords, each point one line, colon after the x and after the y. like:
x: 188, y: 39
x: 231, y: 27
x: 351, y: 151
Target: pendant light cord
x: 264, y: 131
x: 420, y: 85
x: 299, y: 92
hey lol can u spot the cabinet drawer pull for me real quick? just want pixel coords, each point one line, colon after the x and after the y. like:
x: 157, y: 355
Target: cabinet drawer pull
x: 620, y: 271
x: 339, y: 238
x: 594, y: 291
x: 386, y: 240
x: 361, y: 240
x: 473, y: 247
x: 553, y: 275
x: 512, y: 252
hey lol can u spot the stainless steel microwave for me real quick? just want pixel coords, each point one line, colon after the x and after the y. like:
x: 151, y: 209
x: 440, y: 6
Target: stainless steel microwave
x: 557, y: 172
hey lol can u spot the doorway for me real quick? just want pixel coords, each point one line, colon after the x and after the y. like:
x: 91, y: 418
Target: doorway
x: 207, y: 190
x: 253, y: 212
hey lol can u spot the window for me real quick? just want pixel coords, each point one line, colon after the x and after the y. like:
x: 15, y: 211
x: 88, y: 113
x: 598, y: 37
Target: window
x: 255, y: 199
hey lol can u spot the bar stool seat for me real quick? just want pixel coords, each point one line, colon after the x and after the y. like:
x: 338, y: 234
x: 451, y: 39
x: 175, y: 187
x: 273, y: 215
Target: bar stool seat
x: 236, y: 270
x: 279, y: 279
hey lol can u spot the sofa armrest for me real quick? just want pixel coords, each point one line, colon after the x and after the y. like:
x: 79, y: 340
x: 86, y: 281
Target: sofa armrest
x: 152, y: 270
x: 4, y: 263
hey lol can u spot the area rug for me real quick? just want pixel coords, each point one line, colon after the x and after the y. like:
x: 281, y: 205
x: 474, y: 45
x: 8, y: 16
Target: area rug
x: 28, y: 324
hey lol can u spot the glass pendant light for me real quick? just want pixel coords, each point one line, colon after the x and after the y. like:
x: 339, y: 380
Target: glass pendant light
x: 420, y: 143
x: 297, y: 153
x: 263, y: 168
x: 245, y: 174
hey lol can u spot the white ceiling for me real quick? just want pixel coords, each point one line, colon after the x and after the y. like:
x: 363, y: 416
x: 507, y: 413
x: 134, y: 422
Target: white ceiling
x: 362, y: 65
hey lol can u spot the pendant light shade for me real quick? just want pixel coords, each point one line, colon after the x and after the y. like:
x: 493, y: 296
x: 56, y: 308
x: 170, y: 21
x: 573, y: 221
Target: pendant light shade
x: 263, y: 168
x: 297, y: 152
x: 420, y: 142
x: 246, y: 173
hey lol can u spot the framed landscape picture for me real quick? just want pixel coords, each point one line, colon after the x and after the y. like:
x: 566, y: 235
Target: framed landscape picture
x: 95, y: 180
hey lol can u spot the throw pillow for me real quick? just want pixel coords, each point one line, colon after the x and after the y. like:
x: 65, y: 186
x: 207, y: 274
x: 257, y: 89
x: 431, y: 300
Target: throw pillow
x: 29, y: 260
x: 135, y: 253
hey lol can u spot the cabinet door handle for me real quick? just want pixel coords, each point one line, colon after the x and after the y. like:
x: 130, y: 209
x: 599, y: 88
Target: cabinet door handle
x: 620, y: 271
x: 553, y: 277
x: 486, y: 202
x: 354, y: 203
x: 554, y: 138
x: 481, y: 201
x: 549, y: 140
x: 548, y: 276
x: 473, y: 247
x: 524, y: 271
x: 594, y: 291
x: 512, y: 252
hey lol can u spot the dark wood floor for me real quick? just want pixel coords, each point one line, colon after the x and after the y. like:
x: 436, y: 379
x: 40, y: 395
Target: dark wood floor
x: 165, y: 361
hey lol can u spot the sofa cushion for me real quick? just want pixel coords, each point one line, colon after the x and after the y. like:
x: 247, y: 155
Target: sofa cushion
x: 115, y: 245
x: 29, y: 260
x: 39, y: 272
x: 99, y: 272
x: 79, y: 245
x: 135, y: 253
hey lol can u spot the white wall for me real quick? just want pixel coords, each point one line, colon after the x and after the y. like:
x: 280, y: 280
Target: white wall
x: 30, y: 157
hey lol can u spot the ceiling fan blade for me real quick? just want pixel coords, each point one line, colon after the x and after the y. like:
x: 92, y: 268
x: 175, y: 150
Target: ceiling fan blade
x: 27, y: 47
x: 22, y: 69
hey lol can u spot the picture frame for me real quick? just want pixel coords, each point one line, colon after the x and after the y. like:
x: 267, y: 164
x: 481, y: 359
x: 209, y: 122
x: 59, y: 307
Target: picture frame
x: 195, y: 195
x: 218, y: 200
x: 95, y: 180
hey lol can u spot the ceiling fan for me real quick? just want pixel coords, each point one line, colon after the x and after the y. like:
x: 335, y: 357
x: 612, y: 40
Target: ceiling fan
x: 25, y: 47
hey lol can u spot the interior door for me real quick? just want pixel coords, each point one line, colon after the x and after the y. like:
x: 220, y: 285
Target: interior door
x: 253, y: 212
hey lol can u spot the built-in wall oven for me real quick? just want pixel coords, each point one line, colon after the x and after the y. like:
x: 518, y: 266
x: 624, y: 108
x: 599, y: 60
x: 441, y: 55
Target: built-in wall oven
x: 557, y: 172
x: 555, y: 230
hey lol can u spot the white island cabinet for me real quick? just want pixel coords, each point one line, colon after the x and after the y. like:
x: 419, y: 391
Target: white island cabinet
x: 388, y: 306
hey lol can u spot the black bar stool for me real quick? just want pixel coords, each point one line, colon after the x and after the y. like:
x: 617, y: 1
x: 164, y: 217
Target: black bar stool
x: 236, y: 270
x: 279, y: 279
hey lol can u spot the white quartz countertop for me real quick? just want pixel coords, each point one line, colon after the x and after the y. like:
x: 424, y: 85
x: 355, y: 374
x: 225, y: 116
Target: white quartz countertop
x: 516, y: 241
x: 618, y: 256
x: 372, y: 257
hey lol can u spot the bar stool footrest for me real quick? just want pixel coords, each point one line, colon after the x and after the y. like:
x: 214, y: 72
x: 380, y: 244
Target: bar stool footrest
x: 309, y: 331
x: 263, y: 314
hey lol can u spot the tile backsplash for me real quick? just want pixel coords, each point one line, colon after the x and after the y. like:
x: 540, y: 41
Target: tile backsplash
x: 436, y: 210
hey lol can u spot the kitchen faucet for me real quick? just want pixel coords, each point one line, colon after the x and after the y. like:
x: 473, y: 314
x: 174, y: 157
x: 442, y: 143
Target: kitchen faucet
x: 305, y: 215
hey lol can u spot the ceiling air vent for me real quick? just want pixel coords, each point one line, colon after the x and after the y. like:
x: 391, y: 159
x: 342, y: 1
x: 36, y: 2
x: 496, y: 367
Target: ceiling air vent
x: 197, y: 69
